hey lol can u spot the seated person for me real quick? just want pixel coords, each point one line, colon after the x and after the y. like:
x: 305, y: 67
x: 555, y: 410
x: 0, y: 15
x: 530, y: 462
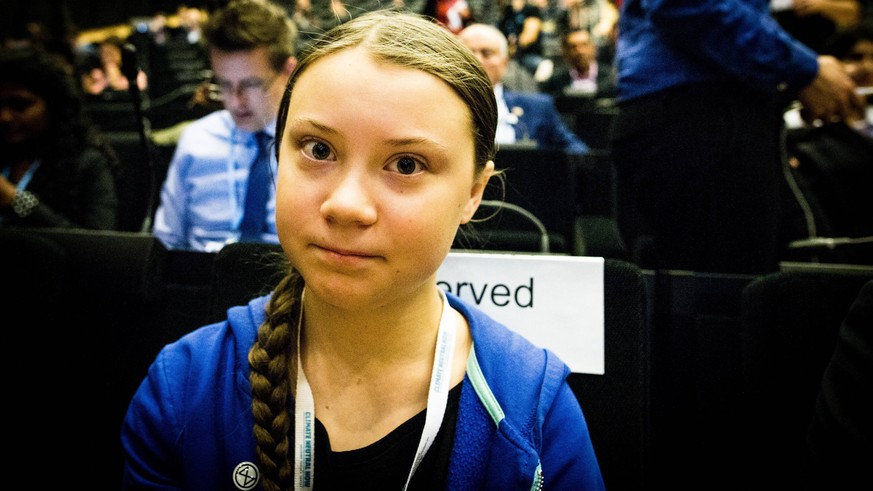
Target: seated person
x: 827, y: 193
x: 581, y: 73
x: 522, y: 117
x: 55, y: 169
x: 390, y: 382
x: 101, y: 73
x: 814, y: 22
x: 854, y: 48
x: 203, y: 206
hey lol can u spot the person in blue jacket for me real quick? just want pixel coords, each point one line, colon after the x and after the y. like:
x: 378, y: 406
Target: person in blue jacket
x: 357, y: 371
x: 698, y: 139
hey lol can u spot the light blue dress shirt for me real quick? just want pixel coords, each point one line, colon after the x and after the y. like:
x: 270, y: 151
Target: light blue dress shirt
x: 203, y: 195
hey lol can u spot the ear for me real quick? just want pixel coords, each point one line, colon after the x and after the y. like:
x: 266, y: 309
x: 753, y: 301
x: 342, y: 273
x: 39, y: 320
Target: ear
x: 476, y: 192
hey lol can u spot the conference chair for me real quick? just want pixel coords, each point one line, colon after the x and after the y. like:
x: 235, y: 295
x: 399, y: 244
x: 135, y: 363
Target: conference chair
x: 790, y: 321
x: 617, y: 404
x: 535, y: 183
x: 591, y: 117
x: 143, y: 168
x: 88, y: 327
x: 114, y: 115
x: 596, y: 221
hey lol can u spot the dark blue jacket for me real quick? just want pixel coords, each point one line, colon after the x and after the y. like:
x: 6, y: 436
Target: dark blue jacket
x: 539, y: 120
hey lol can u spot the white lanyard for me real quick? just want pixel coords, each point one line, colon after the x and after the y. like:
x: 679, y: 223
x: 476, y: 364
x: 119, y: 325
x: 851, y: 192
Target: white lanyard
x: 437, y: 398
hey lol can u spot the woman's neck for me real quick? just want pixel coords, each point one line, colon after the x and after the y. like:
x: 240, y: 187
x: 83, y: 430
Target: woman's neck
x: 369, y: 371
x: 377, y: 336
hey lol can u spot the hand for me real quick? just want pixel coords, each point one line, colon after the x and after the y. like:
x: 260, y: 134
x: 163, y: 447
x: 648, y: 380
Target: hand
x: 7, y: 192
x: 831, y: 96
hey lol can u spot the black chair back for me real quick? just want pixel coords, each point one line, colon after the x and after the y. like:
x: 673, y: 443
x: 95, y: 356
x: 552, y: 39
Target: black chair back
x: 617, y: 404
x: 542, y: 183
x: 790, y: 321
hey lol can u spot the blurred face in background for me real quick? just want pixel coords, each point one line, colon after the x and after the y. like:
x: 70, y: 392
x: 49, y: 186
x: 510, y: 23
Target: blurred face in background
x: 110, y: 54
x: 859, y: 63
x: 251, y: 89
x: 579, y: 50
x: 489, y: 46
x: 23, y: 114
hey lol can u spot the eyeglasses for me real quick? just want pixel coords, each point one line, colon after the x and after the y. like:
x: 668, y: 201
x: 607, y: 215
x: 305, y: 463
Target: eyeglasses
x: 250, y: 87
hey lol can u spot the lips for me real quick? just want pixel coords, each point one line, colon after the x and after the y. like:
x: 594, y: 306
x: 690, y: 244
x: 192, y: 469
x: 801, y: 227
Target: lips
x: 337, y: 251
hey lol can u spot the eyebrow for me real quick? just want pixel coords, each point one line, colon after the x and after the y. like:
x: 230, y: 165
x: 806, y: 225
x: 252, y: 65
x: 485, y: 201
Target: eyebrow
x: 305, y: 121
x: 401, y: 142
x: 395, y: 142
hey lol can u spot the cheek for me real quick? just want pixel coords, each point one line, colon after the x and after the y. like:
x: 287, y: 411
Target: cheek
x: 290, y: 200
x: 433, y: 221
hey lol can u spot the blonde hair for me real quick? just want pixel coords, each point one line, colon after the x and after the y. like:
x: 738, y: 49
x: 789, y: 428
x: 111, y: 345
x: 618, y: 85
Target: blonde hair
x: 403, y: 39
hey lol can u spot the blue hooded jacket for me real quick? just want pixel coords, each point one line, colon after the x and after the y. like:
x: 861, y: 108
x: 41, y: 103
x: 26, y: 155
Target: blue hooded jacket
x: 519, y: 426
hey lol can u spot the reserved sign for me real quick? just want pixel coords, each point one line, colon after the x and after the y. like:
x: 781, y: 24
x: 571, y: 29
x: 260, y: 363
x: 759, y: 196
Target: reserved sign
x: 556, y: 302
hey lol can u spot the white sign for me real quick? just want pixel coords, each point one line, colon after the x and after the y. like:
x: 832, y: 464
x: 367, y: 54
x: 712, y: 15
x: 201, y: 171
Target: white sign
x: 556, y: 302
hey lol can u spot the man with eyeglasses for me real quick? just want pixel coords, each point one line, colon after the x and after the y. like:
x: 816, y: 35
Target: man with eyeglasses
x: 219, y: 185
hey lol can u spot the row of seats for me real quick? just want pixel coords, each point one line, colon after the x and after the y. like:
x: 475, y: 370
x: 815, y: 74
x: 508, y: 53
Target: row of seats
x: 691, y: 358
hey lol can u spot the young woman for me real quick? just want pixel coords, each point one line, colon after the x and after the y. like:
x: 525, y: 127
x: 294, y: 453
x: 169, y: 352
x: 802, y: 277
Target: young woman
x: 56, y: 170
x: 358, y: 371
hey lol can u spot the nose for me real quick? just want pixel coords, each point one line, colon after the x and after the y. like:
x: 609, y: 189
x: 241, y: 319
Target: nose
x: 233, y: 96
x: 351, y: 201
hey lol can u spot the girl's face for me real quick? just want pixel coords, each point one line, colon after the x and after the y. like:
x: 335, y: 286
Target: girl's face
x: 376, y: 173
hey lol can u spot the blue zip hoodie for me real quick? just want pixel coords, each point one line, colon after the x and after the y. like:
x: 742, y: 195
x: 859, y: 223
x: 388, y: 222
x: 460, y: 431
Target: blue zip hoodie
x: 519, y: 427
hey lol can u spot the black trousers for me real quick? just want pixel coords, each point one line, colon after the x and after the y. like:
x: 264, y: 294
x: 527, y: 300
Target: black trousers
x: 697, y: 179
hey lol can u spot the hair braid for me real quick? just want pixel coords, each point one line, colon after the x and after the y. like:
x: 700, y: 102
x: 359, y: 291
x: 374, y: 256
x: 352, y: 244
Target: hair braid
x: 273, y: 370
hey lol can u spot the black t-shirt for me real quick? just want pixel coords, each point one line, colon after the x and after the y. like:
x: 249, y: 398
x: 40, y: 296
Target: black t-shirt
x: 385, y: 464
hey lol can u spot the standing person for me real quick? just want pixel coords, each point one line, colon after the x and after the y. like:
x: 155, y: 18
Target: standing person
x: 357, y: 348
x: 56, y: 170
x: 521, y: 116
x: 252, y: 48
x: 697, y: 141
